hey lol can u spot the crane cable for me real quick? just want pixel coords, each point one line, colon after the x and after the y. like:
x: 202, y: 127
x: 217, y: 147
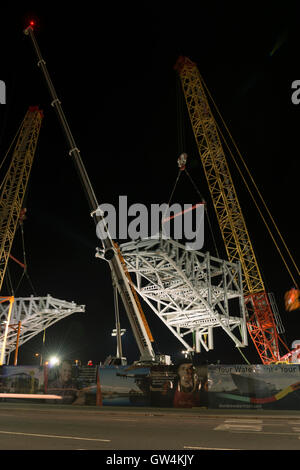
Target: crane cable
x: 181, y: 141
x: 6, y: 155
x: 8, y: 279
x: 181, y: 137
x: 181, y: 148
x: 9, y: 284
x: 206, y: 211
x: 202, y: 200
x: 210, y: 227
x: 25, y: 272
x: 170, y: 198
x: 249, y: 190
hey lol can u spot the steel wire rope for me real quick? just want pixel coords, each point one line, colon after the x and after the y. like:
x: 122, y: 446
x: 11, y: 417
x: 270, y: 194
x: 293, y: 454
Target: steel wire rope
x: 6, y: 155
x: 25, y: 260
x: 268, y: 228
x: 9, y: 281
x: 242, y: 354
x: 206, y: 211
x: 180, y: 138
x: 257, y: 189
x: 173, y: 190
x: 180, y: 126
x: 211, y: 231
x: 25, y: 271
x: 261, y: 214
x: 181, y: 148
x: 248, y: 188
x: 245, y: 185
x: 180, y: 135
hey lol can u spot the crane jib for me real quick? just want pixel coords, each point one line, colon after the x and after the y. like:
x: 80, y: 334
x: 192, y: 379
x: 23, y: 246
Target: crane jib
x: 124, y: 287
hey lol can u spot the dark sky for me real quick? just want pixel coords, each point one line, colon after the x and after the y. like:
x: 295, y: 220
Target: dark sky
x: 113, y: 71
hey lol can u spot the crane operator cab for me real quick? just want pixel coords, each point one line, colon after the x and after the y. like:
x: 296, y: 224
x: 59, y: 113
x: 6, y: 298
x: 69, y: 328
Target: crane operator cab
x: 292, y: 299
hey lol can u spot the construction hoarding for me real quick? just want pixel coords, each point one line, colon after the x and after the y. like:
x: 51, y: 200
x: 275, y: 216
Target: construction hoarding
x: 175, y: 386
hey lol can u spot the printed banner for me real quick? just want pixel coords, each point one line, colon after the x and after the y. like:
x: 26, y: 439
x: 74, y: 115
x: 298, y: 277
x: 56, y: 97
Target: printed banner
x: 21, y: 379
x: 180, y: 386
x: 75, y: 385
x: 125, y: 385
x: 254, y: 386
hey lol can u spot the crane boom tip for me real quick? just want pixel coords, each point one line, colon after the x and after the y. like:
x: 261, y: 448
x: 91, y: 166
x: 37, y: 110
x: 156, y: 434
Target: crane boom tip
x: 30, y: 26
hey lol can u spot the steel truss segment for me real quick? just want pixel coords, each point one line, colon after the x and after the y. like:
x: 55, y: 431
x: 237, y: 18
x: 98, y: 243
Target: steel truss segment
x: 230, y: 217
x: 35, y: 315
x: 190, y: 291
x: 262, y: 328
x: 15, y: 182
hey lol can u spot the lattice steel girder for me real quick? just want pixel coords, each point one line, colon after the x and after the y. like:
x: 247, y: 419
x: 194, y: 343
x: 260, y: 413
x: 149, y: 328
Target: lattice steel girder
x: 262, y: 328
x: 14, y: 185
x: 35, y: 315
x: 228, y: 210
x: 191, y: 292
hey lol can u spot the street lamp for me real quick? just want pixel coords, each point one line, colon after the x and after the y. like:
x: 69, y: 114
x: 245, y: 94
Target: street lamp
x: 186, y: 354
x: 54, y: 361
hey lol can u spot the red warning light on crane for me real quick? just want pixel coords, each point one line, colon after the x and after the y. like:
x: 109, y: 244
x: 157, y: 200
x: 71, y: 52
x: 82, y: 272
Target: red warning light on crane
x: 31, y: 25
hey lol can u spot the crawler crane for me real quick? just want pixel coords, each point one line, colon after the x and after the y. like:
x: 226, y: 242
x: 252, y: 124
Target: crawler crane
x: 263, y: 321
x: 24, y: 317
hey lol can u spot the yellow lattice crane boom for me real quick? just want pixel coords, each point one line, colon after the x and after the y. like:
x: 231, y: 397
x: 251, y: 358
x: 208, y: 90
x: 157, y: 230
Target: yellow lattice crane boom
x: 15, y: 182
x: 261, y: 321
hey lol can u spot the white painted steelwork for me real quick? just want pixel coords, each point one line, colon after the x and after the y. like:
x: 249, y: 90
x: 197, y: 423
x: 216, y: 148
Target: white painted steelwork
x: 35, y: 315
x: 190, y: 291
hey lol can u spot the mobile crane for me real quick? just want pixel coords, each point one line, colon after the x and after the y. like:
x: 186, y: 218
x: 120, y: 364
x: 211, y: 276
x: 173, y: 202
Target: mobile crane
x: 110, y: 250
x: 263, y: 320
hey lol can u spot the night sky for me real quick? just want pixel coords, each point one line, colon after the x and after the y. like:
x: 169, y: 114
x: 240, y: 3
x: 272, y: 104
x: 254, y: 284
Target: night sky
x: 112, y: 68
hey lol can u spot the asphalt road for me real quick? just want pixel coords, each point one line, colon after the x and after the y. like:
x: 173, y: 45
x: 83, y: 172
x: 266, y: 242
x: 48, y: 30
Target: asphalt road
x: 51, y: 427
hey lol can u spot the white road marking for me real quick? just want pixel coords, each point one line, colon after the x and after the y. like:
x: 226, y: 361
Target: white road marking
x: 206, y: 448
x: 54, y: 436
x: 239, y: 427
x: 250, y: 421
x: 122, y: 419
x: 269, y: 432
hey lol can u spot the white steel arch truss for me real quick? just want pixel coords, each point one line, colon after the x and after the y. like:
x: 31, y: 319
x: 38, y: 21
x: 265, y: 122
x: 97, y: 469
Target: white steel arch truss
x: 190, y: 291
x: 34, y: 314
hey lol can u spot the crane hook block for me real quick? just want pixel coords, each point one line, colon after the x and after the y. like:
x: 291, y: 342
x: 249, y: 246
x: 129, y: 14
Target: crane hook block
x: 182, y: 161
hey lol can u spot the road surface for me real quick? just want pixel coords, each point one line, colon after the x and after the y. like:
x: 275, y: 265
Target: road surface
x: 27, y: 426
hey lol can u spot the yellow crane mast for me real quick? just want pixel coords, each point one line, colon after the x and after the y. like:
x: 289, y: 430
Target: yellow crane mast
x: 14, y: 185
x: 261, y: 321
